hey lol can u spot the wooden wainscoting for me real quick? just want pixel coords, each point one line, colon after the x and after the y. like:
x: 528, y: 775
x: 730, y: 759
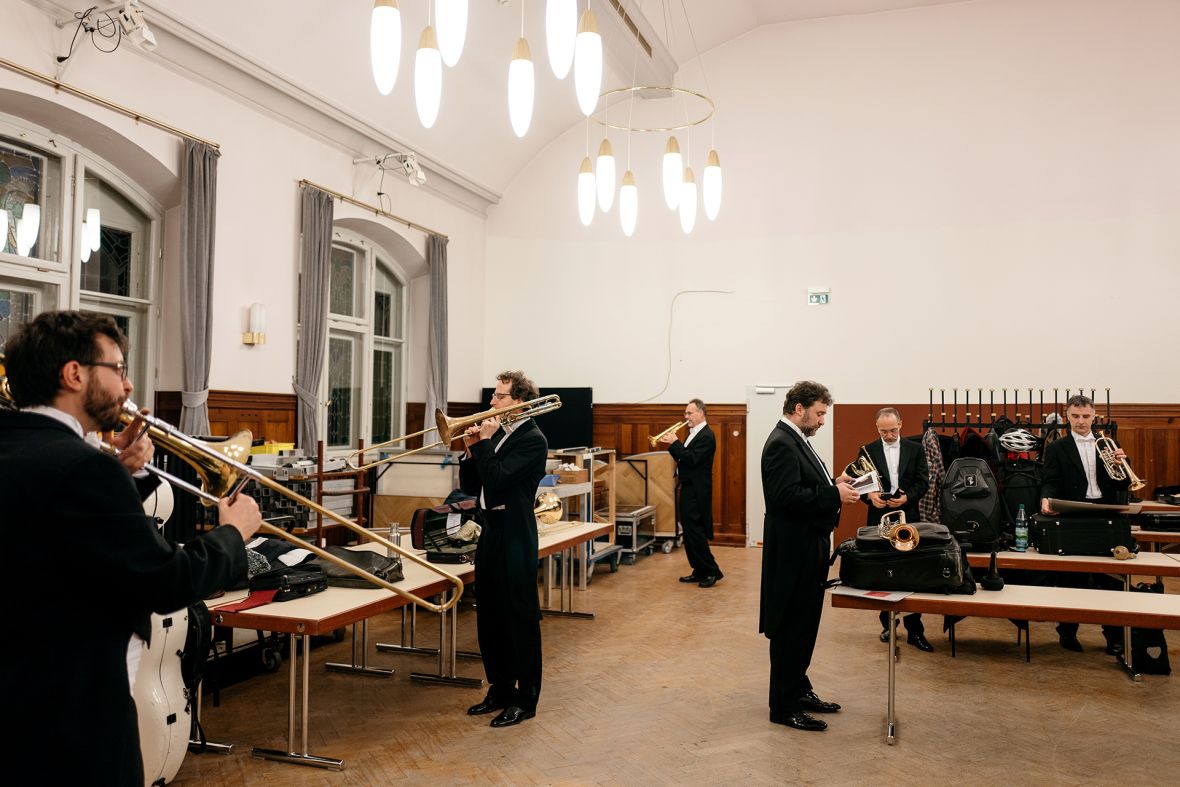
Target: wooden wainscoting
x: 626, y: 427
x: 416, y: 414
x: 268, y: 416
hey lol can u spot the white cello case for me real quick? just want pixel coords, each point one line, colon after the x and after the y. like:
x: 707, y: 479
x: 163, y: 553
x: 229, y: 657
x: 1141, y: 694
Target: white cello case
x: 161, y: 700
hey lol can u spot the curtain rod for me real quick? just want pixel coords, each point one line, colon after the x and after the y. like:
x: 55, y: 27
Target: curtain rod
x: 378, y: 211
x: 131, y: 113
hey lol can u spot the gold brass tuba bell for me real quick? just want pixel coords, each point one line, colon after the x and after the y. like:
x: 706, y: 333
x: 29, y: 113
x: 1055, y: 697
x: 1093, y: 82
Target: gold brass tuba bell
x: 902, y: 537
x: 861, y: 466
x: 547, y: 508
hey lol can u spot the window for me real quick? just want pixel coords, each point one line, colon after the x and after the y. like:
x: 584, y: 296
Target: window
x: 75, y: 234
x: 363, y: 377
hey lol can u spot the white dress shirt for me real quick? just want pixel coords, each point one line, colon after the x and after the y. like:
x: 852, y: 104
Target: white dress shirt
x: 1086, y: 448
x: 693, y: 432
x: 892, y: 462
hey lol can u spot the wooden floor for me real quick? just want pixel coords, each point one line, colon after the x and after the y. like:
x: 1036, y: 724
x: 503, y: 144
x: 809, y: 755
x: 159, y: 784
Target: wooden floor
x: 668, y: 685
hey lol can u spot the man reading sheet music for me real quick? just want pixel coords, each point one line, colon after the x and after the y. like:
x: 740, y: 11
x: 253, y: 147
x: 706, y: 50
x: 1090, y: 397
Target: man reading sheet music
x: 904, y: 478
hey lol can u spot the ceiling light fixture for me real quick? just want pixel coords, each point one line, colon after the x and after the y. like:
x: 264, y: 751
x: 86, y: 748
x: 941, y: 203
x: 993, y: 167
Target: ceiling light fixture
x: 385, y: 43
x: 521, y: 83
x: 451, y: 18
x: 561, y: 29
x: 428, y: 78
x: 588, y: 63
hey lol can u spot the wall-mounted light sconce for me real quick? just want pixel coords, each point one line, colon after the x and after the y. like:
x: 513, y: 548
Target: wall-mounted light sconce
x: 257, y: 332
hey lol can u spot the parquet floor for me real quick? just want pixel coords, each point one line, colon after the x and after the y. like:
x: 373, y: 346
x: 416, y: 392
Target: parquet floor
x: 668, y: 686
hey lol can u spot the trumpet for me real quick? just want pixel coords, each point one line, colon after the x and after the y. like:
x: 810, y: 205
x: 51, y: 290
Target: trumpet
x: 673, y: 428
x: 1118, y: 469
x: 450, y: 429
x: 901, y: 536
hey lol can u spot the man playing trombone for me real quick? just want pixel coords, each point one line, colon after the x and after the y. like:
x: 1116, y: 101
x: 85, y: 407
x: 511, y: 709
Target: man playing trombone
x: 106, y: 567
x: 502, y: 467
x: 904, y: 479
x: 694, y: 492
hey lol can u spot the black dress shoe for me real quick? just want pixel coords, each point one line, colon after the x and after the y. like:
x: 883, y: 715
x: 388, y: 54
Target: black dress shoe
x: 1114, y: 648
x: 710, y: 581
x: 691, y: 578
x: 885, y: 635
x: 512, y: 715
x: 487, y: 706
x: 800, y: 721
x: 1071, y: 643
x: 811, y: 702
x: 919, y: 642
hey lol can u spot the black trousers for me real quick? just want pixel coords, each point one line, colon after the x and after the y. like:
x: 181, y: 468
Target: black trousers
x: 696, y: 543
x: 511, y: 648
x: 912, y: 621
x: 792, y: 645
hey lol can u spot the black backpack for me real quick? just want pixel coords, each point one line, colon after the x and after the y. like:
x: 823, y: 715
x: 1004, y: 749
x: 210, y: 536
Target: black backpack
x: 971, y: 503
x: 1020, y: 483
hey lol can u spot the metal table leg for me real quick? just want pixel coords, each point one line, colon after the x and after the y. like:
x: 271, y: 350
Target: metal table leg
x: 893, y: 655
x: 360, y: 666
x: 447, y: 630
x: 1126, y: 660
x: 208, y: 747
x: 567, y: 590
x: 300, y: 757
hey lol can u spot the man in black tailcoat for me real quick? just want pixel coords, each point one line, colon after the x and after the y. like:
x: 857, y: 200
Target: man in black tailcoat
x: 86, y: 564
x: 502, y: 467
x: 694, y: 492
x: 802, y: 508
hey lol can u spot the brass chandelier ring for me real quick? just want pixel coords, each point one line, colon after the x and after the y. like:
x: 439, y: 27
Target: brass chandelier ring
x: 672, y: 93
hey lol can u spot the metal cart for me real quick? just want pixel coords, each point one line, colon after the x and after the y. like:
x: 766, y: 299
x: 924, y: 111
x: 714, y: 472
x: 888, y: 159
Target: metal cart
x: 635, y: 528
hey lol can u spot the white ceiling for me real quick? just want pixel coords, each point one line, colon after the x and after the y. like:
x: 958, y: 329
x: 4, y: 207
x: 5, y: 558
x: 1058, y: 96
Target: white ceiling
x: 322, y: 47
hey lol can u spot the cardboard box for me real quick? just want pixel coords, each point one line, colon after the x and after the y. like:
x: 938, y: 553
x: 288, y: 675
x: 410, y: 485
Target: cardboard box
x: 271, y: 448
x: 573, y: 476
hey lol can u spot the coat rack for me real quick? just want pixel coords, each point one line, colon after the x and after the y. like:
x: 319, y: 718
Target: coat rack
x: 998, y: 410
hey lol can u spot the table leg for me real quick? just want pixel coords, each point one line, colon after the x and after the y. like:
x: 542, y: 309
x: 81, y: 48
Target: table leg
x: 1126, y: 661
x: 198, y: 747
x: 300, y: 757
x: 892, y: 657
x: 360, y: 666
x: 567, y: 590
x: 448, y: 626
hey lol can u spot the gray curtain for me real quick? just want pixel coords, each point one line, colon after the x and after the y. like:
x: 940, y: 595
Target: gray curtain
x: 316, y: 251
x: 436, y: 348
x: 198, y: 210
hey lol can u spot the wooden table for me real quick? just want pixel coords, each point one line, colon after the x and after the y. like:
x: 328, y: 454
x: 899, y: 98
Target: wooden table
x: 1021, y: 602
x: 334, y: 608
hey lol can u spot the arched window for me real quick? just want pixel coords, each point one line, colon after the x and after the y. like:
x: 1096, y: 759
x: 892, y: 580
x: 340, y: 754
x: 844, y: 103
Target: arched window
x: 364, y: 374
x: 76, y: 233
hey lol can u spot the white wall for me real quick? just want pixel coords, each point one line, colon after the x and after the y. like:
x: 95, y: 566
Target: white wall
x: 991, y: 190
x: 262, y: 160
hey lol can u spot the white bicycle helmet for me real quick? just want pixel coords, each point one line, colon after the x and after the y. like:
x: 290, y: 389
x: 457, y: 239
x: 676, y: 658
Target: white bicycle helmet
x: 1018, y: 441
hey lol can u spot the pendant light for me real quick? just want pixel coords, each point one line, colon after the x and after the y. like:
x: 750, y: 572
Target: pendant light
x: 28, y: 229
x: 385, y: 43
x: 673, y: 173
x: 711, y: 186
x: 628, y: 204
x: 588, y: 63
x: 688, y: 201
x: 604, y: 175
x: 428, y: 77
x: 451, y: 18
x: 521, y: 86
x: 586, y: 192
x: 561, y: 28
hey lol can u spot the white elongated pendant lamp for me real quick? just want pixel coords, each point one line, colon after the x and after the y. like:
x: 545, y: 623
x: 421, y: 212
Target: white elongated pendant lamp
x: 28, y: 229
x: 711, y: 186
x: 385, y: 43
x: 588, y: 63
x: 628, y: 204
x: 688, y: 202
x: 93, y: 228
x: 521, y: 87
x: 673, y: 173
x: 604, y: 175
x: 428, y: 77
x: 451, y: 18
x: 561, y: 29
x: 586, y: 192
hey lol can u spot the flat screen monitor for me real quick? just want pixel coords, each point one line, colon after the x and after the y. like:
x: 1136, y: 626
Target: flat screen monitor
x: 569, y: 426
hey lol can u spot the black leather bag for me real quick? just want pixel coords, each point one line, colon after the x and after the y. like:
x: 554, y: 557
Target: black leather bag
x: 1080, y: 535
x: 935, y: 565
x: 291, y: 581
x: 971, y: 503
x: 380, y: 566
x: 428, y: 530
x: 1149, y: 648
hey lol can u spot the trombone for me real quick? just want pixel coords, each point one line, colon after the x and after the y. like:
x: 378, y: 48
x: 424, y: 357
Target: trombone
x: 450, y: 429
x: 654, y: 439
x: 1117, y: 469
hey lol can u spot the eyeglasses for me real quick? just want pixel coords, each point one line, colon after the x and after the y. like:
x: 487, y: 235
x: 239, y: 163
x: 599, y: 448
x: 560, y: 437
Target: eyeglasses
x: 499, y: 396
x: 887, y: 432
x: 120, y: 367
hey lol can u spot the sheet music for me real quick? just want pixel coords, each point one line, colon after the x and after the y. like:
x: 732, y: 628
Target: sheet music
x: 869, y: 482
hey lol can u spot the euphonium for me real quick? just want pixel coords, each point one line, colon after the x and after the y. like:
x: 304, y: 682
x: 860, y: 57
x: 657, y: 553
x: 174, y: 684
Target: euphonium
x: 860, y: 466
x: 902, y: 537
x: 1118, y: 469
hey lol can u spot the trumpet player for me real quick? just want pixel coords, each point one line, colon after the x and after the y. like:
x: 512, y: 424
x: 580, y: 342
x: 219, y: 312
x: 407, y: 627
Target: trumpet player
x: 109, y: 567
x: 904, y: 479
x: 694, y: 492
x: 1074, y: 470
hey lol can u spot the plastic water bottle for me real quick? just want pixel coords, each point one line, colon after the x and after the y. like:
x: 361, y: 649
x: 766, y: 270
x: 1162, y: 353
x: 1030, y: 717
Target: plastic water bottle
x: 1021, y: 530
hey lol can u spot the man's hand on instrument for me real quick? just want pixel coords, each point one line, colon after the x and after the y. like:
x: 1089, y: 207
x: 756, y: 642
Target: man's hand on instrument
x: 488, y: 427
x: 848, y: 495
x: 133, y: 453
x: 1120, y: 455
x: 668, y: 439
x: 471, y: 435
x: 241, y: 512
